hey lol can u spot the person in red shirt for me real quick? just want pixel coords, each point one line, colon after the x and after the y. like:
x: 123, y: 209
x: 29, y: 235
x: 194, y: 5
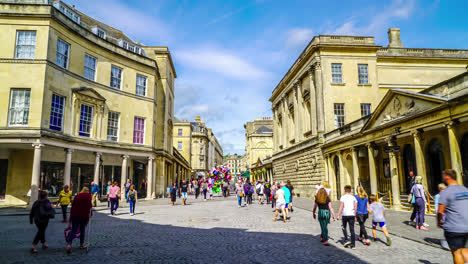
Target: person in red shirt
x: 79, y: 216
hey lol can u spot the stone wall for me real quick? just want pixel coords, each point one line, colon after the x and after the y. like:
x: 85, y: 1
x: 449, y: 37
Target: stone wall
x: 304, y: 168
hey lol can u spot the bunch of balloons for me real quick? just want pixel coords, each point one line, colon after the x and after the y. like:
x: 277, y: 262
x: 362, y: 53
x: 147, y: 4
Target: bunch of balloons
x: 216, y: 176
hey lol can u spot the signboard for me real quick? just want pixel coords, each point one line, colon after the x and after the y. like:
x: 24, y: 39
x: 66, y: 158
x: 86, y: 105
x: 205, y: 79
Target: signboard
x: 388, y: 149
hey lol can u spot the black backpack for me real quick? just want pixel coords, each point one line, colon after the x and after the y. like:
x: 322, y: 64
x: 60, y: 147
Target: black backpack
x: 131, y: 195
x: 46, y: 211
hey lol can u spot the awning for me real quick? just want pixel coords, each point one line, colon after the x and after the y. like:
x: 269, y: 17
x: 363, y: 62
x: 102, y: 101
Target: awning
x: 245, y: 174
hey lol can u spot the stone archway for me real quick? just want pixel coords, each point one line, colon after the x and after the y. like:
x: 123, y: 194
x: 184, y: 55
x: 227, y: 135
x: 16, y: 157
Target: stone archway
x: 436, y: 164
x: 409, y: 165
x: 464, y: 157
x: 336, y: 167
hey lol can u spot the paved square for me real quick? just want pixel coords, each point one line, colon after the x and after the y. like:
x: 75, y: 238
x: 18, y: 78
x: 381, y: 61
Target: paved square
x: 204, y: 232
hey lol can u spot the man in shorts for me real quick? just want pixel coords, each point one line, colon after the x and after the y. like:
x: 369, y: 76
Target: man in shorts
x: 280, y: 202
x: 183, y: 190
x: 453, y: 216
x: 287, y: 197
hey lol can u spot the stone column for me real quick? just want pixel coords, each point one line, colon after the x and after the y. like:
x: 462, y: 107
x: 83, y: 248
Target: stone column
x: 327, y: 170
x: 298, y: 111
x: 419, y: 157
x: 372, y: 168
x: 36, y: 173
x: 395, y: 178
x: 123, y: 177
x: 319, y: 97
x: 332, y: 180
x: 275, y: 131
x: 313, y: 102
x: 455, y: 155
x: 97, y: 162
x: 149, y: 176
x: 354, y: 152
x: 342, y: 171
x: 67, y: 170
x: 285, y: 122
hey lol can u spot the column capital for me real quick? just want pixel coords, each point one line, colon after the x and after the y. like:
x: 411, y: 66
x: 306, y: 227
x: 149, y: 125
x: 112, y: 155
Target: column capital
x: 353, y: 148
x: 125, y: 157
x: 450, y: 124
x: 416, y: 133
x: 98, y: 154
x: 150, y: 158
x: 370, y: 145
x: 69, y: 150
x: 37, y: 145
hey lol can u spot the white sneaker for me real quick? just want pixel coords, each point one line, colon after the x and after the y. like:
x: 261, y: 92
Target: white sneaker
x: 131, y: 214
x: 425, y: 225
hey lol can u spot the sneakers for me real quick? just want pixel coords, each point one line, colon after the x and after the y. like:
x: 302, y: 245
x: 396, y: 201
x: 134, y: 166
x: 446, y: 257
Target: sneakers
x: 347, y: 244
x: 131, y: 214
x: 423, y: 228
x: 353, y: 247
x: 367, y: 243
x: 389, y: 241
x: 425, y: 225
x: 325, y: 243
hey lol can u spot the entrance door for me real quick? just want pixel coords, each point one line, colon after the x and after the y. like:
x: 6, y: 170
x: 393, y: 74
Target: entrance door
x: 3, y: 178
x: 436, y: 165
x: 409, y: 161
x: 336, y: 163
x: 464, y: 154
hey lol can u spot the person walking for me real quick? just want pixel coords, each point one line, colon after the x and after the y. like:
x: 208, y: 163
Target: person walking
x: 40, y: 213
x: 205, y: 189
x: 280, y: 203
x: 452, y: 216
x: 64, y: 200
x: 114, y: 196
x: 196, y: 186
x: 378, y: 218
x: 268, y: 192
x: 225, y: 188
x: 109, y: 185
x: 95, y: 192
x: 80, y: 213
x: 420, y: 202
x: 132, y: 198
x: 413, y: 214
x: 273, y: 193
x: 240, y: 193
x: 260, y: 192
x: 291, y: 191
x: 251, y: 189
x: 362, y: 213
x: 287, y: 197
x: 173, y: 192
x: 348, y: 208
x: 183, y: 190
x: 127, y: 188
x: 441, y: 188
x: 143, y: 188
x: 322, y: 201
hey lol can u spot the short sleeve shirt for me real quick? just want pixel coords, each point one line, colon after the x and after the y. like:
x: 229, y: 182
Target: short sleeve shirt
x: 348, y: 201
x: 455, y: 197
x: 280, y: 194
x: 287, y: 193
x: 377, y: 212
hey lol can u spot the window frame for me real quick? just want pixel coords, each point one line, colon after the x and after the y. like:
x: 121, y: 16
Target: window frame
x: 67, y: 56
x: 179, y: 145
x: 334, y: 73
x: 98, y: 29
x: 337, y: 116
x: 363, y: 75
x: 10, y: 107
x: 180, y: 132
x: 143, y: 131
x: 145, y: 87
x: 117, y: 127
x: 95, y: 67
x: 16, y: 44
x: 121, y: 78
x: 363, y: 108
x: 62, y: 114
x: 90, y: 123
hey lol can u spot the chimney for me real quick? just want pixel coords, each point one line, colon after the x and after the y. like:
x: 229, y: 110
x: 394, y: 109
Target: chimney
x: 394, y: 39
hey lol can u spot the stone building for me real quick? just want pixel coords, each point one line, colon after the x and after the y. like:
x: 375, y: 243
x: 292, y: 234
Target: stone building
x: 182, y: 139
x: 258, y: 140
x: 337, y: 80
x: 80, y: 102
x: 235, y: 163
x: 421, y: 132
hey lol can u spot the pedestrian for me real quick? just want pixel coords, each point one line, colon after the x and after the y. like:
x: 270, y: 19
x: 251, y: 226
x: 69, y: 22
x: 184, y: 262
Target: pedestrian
x: 378, y: 218
x: 452, y: 216
x: 40, y: 213
x: 64, y: 200
x: 109, y: 185
x: 114, y: 195
x: 246, y: 192
x: 127, y: 188
x: 173, y: 193
x: 268, y: 192
x: 240, y: 194
x: 225, y: 188
x: 196, y: 185
x: 441, y: 188
x: 205, y: 189
x: 420, y: 202
x: 413, y: 214
x: 362, y: 213
x: 317, y: 187
x: 95, y: 192
x: 322, y: 201
x: 260, y: 192
x: 80, y: 213
x: 287, y: 197
x: 327, y: 188
x: 280, y: 202
x: 143, y: 188
x: 291, y: 191
x: 273, y: 193
x: 210, y: 190
x: 183, y: 190
x: 132, y: 198
x: 180, y: 184
x: 348, y: 207
x: 251, y: 192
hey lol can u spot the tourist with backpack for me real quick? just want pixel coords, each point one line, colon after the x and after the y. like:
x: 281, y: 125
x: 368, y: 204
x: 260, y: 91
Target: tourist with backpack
x: 251, y: 192
x: 40, y: 214
x: 132, y: 198
x: 80, y: 213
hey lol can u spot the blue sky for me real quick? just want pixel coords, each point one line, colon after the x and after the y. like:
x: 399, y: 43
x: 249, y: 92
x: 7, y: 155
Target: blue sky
x: 229, y: 55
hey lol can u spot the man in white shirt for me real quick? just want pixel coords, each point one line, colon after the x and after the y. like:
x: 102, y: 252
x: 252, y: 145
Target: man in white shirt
x: 260, y: 192
x: 280, y: 202
x: 348, y: 207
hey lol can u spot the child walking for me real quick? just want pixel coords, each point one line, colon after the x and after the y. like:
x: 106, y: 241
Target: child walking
x: 378, y: 218
x: 362, y: 214
x: 348, y: 207
x: 132, y: 198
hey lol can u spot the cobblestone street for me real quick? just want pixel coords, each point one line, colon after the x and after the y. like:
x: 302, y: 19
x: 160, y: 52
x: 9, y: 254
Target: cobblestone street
x: 204, y: 232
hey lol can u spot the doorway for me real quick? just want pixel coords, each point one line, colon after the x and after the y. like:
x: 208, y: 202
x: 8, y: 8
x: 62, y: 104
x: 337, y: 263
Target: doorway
x: 464, y: 157
x: 336, y: 163
x: 436, y: 165
x: 409, y: 163
x: 3, y: 178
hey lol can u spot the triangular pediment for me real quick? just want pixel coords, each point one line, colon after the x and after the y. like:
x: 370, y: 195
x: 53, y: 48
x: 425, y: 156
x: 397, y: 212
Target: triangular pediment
x: 400, y: 104
x: 89, y: 92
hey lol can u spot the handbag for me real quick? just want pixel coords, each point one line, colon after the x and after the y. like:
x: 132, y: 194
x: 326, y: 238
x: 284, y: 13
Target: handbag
x: 241, y: 194
x: 67, y: 233
x: 46, y: 211
x: 410, y: 198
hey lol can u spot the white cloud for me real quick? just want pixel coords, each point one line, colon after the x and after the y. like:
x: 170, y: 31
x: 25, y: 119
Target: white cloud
x: 222, y: 62
x: 299, y: 36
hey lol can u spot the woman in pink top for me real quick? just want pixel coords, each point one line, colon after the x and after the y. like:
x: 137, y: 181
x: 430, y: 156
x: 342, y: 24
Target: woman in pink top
x: 114, y: 195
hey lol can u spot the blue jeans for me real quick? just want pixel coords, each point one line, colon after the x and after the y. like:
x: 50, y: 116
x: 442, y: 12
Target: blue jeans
x: 239, y: 200
x: 420, y: 207
x: 132, y: 206
x: 114, y: 204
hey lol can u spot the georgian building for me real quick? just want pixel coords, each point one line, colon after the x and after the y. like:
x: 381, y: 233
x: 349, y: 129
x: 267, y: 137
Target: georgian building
x: 235, y: 163
x: 80, y: 102
x: 340, y: 79
x: 258, y: 140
